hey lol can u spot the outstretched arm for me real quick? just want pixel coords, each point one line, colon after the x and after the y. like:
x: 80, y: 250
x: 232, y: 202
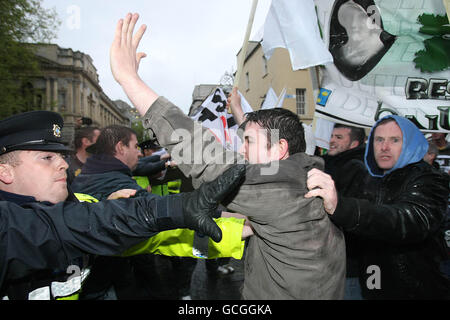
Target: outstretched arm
x: 125, y: 60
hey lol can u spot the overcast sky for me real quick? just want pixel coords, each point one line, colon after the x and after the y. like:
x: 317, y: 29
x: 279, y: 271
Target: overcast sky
x: 187, y: 42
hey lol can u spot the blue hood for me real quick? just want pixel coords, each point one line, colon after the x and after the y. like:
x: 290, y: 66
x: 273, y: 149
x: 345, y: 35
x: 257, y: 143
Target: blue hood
x: 414, y: 148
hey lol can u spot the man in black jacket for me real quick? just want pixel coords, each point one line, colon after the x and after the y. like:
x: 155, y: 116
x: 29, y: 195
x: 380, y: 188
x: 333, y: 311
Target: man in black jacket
x: 109, y: 169
x: 345, y: 163
x: 84, y: 138
x: 116, y: 155
x: 397, y: 215
x: 345, y: 156
x: 44, y: 229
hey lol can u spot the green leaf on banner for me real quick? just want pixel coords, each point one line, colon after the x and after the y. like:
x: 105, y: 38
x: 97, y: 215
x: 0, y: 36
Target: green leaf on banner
x: 434, y: 24
x: 436, y: 56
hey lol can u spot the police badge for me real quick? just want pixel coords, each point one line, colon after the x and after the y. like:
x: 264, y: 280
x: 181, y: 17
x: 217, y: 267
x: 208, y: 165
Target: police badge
x: 57, y: 131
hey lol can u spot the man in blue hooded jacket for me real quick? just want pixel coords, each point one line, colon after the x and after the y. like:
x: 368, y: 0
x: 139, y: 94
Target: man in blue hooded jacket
x: 397, y: 216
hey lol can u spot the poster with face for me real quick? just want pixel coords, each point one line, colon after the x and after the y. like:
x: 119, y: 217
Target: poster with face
x: 357, y: 38
x: 390, y: 57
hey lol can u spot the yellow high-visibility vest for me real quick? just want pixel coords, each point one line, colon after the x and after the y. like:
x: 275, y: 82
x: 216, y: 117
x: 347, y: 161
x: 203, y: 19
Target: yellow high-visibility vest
x: 180, y: 242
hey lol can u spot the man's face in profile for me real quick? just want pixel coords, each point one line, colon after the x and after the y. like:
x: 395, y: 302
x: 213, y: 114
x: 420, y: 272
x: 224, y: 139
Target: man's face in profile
x: 40, y: 174
x: 340, y: 141
x: 255, y: 147
x: 132, y: 152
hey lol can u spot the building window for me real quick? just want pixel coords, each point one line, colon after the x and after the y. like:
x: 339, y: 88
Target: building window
x: 300, y: 97
x: 247, y: 81
x: 265, y: 70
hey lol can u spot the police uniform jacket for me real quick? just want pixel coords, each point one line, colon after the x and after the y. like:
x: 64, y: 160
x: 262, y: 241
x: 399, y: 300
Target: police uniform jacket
x: 43, y: 244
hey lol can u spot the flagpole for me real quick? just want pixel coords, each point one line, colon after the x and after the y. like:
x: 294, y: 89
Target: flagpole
x: 245, y: 45
x: 447, y: 7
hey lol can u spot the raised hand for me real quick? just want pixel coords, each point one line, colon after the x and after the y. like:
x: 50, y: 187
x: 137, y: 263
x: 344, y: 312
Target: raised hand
x: 125, y: 61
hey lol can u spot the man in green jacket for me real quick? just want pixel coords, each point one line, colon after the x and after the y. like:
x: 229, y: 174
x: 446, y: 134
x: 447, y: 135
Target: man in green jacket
x: 297, y: 252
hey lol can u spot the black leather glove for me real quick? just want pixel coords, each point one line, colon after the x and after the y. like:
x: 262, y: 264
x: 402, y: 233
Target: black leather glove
x: 200, y: 205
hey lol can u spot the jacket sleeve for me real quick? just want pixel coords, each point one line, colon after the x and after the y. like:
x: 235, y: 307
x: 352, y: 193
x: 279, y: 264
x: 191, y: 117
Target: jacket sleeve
x: 194, y: 148
x: 180, y: 242
x: 39, y: 236
x: 148, y: 167
x: 410, y: 218
x: 181, y: 135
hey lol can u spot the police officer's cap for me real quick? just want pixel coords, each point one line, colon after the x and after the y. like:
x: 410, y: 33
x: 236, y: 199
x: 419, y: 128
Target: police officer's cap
x: 149, y: 144
x: 34, y: 130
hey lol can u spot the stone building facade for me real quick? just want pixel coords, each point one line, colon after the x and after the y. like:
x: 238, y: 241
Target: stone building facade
x: 70, y: 86
x: 259, y: 74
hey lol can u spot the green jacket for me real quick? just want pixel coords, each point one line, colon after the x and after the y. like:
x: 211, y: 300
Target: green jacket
x: 297, y: 252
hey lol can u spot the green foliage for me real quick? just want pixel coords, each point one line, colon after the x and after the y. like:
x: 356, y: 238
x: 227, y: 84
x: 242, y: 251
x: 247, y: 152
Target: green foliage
x: 138, y: 127
x: 21, y: 21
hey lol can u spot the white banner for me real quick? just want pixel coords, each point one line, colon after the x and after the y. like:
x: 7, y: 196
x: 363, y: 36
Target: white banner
x: 272, y: 100
x: 213, y: 115
x: 390, y: 57
x: 292, y: 24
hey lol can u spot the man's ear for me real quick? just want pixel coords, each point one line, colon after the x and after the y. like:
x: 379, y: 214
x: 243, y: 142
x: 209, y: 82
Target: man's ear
x: 283, y: 149
x: 119, y: 148
x: 86, y: 142
x: 6, y: 174
x: 354, y: 144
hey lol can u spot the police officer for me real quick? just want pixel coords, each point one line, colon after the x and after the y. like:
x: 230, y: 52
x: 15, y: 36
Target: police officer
x: 46, y: 235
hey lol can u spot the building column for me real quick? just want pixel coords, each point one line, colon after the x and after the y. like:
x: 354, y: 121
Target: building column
x: 55, y: 95
x: 69, y: 97
x: 77, y: 98
x: 48, y: 94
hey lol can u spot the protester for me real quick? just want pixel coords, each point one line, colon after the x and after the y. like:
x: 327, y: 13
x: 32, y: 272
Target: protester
x: 344, y: 163
x: 50, y: 235
x: 440, y: 140
x: 397, y: 216
x: 84, y: 138
x: 431, y: 155
x: 297, y: 252
x: 345, y: 157
x: 443, y: 157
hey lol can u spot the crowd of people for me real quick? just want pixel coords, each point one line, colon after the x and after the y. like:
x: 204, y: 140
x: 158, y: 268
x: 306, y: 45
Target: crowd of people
x: 365, y: 221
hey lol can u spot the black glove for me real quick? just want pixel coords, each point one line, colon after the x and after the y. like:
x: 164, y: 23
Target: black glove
x: 200, y: 205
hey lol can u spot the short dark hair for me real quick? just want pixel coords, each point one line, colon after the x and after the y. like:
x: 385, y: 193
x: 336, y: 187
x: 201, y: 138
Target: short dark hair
x: 111, y: 136
x: 286, y: 122
x: 85, y: 132
x: 356, y: 134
